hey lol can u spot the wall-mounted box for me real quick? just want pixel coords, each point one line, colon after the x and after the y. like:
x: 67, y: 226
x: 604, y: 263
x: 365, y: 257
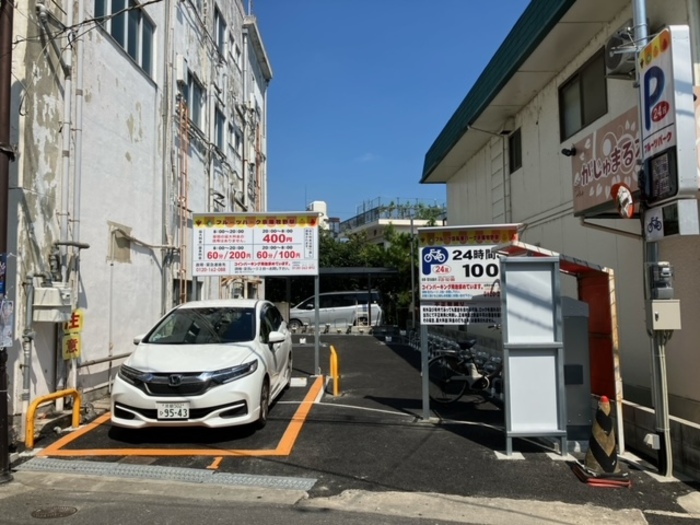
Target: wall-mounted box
x: 664, y: 314
x: 52, y: 304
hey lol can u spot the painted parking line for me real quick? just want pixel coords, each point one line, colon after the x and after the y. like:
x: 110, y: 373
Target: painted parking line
x: 284, y: 447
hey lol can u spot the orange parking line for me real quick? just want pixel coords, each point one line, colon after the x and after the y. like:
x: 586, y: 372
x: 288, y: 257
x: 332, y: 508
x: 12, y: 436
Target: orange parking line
x: 215, y: 464
x: 284, y: 447
x: 57, y: 445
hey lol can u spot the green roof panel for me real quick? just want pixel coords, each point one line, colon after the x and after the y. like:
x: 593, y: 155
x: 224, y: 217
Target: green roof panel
x: 532, y: 27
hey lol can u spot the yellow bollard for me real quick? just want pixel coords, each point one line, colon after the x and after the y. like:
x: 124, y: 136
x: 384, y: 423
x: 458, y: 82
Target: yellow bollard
x: 29, y: 434
x: 335, y: 375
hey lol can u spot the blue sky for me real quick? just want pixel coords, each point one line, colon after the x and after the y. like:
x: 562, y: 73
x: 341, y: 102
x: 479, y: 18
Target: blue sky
x: 362, y: 88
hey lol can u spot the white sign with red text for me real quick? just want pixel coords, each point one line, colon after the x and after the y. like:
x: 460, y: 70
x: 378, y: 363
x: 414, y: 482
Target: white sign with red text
x: 230, y: 244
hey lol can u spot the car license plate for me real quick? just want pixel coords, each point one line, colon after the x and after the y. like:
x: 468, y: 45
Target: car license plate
x: 173, y: 410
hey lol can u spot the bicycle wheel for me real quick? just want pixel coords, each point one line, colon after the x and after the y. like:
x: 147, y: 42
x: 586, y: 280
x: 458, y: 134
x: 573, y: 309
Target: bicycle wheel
x: 442, y: 389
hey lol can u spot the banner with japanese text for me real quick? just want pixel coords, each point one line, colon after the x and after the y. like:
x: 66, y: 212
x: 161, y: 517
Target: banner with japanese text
x: 230, y: 244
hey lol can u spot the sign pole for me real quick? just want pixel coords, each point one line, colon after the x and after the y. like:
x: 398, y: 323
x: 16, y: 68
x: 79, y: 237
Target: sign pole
x: 424, y: 368
x: 317, y: 331
x: 6, y: 154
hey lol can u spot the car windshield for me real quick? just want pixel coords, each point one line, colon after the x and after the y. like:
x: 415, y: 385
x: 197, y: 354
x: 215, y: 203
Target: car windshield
x: 204, y: 326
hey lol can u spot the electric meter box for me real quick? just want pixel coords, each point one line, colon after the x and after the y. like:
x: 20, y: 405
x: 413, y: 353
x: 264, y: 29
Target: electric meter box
x: 664, y: 314
x: 52, y: 304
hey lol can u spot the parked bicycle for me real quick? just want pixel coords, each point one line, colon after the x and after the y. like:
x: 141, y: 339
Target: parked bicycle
x: 455, y: 372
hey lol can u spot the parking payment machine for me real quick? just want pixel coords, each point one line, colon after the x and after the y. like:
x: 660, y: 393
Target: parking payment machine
x: 533, y: 349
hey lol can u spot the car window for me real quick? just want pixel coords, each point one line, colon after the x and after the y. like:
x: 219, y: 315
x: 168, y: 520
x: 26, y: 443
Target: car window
x: 307, y: 304
x: 326, y: 301
x: 270, y: 320
x: 275, y: 317
x: 346, y: 299
x: 211, y: 325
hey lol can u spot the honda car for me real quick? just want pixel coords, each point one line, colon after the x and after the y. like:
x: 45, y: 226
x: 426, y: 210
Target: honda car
x: 205, y: 363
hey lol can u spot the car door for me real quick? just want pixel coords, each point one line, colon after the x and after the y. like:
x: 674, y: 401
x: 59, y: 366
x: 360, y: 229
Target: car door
x: 326, y: 309
x: 305, y: 311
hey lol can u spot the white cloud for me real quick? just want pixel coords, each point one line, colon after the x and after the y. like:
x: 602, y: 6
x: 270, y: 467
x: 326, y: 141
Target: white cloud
x: 367, y: 157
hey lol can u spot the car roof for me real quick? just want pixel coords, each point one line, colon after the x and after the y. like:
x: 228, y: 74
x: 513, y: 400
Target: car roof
x: 224, y: 303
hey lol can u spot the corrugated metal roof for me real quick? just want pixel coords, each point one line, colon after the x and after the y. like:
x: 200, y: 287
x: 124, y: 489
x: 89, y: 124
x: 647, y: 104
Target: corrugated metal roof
x: 532, y: 27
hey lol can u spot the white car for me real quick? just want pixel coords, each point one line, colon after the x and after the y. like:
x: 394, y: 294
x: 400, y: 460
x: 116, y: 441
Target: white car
x: 205, y: 363
x: 338, y: 309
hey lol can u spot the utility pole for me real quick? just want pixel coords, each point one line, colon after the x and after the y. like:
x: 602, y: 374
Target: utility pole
x: 6, y: 154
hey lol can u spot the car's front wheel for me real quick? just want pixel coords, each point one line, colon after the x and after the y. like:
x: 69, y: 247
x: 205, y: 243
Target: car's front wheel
x: 295, y: 325
x: 264, y: 404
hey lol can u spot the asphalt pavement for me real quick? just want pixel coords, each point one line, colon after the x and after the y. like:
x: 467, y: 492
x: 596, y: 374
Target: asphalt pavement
x: 367, y: 448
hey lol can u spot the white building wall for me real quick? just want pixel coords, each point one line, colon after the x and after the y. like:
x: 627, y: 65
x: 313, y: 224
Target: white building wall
x: 540, y: 197
x: 130, y: 167
x: 121, y: 163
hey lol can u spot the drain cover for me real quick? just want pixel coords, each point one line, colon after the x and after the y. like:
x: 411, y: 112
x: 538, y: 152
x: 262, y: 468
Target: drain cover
x: 54, y: 512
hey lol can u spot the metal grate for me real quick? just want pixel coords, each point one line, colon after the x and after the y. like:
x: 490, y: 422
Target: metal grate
x: 189, y: 475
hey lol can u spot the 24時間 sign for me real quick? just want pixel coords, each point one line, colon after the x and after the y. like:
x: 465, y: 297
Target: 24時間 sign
x: 456, y: 263
x: 229, y: 244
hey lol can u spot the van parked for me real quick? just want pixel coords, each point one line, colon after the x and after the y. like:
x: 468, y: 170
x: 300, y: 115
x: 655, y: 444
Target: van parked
x: 339, y: 309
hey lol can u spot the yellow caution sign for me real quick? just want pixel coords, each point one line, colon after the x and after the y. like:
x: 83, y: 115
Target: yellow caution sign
x: 75, y: 325
x: 72, y: 346
x: 72, y: 343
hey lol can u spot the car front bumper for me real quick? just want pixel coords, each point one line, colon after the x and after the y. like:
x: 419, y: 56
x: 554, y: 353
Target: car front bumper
x: 230, y: 404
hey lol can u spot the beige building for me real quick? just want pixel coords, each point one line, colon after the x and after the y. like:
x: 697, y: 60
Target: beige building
x: 546, y: 131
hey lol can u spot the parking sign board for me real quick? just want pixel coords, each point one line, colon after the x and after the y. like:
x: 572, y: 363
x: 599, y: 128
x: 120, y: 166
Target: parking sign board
x: 459, y: 275
x: 456, y: 263
x: 227, y: 244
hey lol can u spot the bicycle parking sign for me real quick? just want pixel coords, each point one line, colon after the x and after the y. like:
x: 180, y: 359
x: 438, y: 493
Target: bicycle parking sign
x: 457, y: 264
x: 460, y: 277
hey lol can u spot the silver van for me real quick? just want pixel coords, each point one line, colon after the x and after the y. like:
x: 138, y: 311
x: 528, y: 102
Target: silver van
x: 338, y: 309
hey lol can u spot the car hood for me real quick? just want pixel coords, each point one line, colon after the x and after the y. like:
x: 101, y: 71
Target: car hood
x: 189, y: 358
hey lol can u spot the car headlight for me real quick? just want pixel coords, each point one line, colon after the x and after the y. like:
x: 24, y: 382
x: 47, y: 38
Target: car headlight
x: 131, y: 375
x: 231, y: 374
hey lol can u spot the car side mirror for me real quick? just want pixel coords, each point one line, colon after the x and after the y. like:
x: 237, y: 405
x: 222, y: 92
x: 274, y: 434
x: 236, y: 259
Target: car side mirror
x: 308, y: 307
x: 275, y: 337
x: 138, y: 338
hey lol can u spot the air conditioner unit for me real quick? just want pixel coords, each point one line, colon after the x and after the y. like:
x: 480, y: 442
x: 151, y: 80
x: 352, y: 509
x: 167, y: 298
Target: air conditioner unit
x: 621, y: 54
x: 181, y: 69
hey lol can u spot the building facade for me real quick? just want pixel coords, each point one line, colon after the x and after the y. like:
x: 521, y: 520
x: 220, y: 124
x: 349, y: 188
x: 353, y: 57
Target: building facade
x: 127, y: 117
x: 552, y: 122
x: 375, y: 216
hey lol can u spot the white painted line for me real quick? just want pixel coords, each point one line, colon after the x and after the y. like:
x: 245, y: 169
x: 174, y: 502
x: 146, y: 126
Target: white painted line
x: 392, y: 412
x: 558, y: 457
x: 513, y: 456
x: 299, y: 381
x: 469, y: 423
x: 649, y: 469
